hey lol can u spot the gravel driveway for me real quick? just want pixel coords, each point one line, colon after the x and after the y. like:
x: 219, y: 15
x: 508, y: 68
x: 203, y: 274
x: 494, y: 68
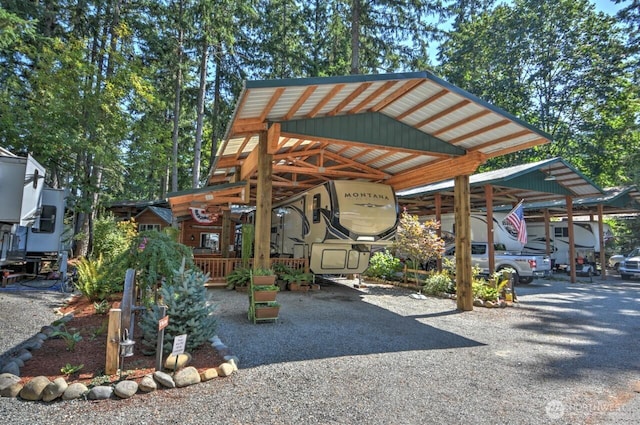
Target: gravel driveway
x: 566, y: 354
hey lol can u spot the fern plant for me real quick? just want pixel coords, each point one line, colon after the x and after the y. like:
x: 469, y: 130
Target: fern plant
x: 91, y: 282
x: 239, y: 277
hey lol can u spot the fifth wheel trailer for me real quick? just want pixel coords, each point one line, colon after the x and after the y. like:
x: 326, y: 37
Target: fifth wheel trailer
x: 503, y: 232
x: 586, y: 237
x: 336, y: 225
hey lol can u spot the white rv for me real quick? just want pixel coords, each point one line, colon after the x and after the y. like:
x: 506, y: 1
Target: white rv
x: 31, y: 215
x: 503, y: 232
x: 21, y: 184
x: 45, y: 240
x: 335, y: 225
x: 586, y: 237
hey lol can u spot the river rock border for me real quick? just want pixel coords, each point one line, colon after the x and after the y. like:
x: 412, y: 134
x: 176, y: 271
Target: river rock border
x: 40, y: 388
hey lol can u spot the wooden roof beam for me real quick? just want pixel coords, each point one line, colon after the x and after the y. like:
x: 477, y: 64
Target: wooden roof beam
x: 437, y: 171
x: 343, y: 104
x: 402, y: 90
x: 383, y: 88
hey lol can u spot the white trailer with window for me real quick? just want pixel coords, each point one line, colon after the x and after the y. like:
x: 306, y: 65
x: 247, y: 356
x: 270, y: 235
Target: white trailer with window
x: 31, y: 215
x: 21, y: 184
x: 336, y: 225
x: 586, y: 238
x: 503, y: 232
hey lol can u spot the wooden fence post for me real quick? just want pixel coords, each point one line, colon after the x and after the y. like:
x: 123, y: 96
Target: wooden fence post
x: 113, y: 342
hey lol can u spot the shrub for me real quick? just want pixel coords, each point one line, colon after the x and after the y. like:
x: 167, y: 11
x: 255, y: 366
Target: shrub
x: 484, y: 291
x: 189, y: 313
x: 438, y: 283
x: 383, y: 265
x: 111, y: 238
x: 155, y: 255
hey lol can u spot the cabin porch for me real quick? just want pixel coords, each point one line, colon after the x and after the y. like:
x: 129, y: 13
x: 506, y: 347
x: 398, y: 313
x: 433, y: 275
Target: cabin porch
x: 218, y: 267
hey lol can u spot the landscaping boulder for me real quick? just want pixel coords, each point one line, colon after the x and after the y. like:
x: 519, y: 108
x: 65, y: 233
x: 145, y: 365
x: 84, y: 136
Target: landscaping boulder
x: 187, y: 376
x: 126, y: 389
x: 33, y: 389
x: 54, y: 390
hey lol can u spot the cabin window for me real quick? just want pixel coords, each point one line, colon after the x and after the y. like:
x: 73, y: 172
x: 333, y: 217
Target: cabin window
x: 316, y: 208
x: 145, y: 227
x: 47, y: 220
x: 210, y: 240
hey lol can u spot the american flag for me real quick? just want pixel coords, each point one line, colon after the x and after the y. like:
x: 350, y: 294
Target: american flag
x: 516, y: 218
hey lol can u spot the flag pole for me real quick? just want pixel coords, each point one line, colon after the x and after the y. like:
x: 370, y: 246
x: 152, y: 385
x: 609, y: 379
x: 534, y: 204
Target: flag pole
x: 516, y: 207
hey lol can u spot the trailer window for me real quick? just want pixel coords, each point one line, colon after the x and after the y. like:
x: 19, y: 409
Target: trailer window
x: 561, y: 232
x: 47, y: 220
x: 316, y: 208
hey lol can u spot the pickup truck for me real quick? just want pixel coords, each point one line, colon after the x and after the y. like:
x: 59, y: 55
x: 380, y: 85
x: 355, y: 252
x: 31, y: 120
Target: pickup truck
x: 527, y: 266
x: 630, y: 265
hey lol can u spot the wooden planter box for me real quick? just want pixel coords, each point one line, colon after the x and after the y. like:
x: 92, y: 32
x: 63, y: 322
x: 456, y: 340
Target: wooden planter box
x: 298, y: 286
x: 267, y: 312
x: 263, y: 296
x: 264, y: 280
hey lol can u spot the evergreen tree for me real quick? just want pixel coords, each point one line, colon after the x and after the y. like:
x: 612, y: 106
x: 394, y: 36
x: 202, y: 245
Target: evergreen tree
x: 189, y: 311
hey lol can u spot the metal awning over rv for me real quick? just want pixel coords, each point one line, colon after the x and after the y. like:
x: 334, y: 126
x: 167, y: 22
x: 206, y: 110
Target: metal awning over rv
x: 613, y: 201
x: 550, y: 180
x: 405, y: 130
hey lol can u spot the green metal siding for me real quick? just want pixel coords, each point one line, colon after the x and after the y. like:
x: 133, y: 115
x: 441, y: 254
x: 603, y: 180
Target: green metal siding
x: 371, y: 128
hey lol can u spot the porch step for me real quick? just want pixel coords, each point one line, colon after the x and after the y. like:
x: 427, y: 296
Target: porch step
x: 215, y: 283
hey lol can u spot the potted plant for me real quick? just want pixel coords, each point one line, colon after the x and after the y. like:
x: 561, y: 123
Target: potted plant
x: 280, y: 270
x: 239, y: 279
x: 263, y: 276
x: 267, y: 311
x: 298, y: 280
x: 263, y: 293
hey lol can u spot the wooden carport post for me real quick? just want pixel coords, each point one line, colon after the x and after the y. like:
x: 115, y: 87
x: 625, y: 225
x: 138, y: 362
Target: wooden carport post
x: 263, y: 199
x: 438, y: 205
x: 572, y: 241
x: 488, y: 193
x: 547, y: 231
x: 462, y: 210
x: 603, y: 264
x: 226, y: 233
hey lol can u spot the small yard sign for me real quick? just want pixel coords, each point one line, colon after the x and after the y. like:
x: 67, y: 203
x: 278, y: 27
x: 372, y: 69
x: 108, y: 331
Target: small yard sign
x: 179, y: 344
x: 163, y: 323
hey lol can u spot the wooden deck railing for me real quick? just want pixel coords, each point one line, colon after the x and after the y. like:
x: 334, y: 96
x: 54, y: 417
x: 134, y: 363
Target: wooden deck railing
x: 219, y: 268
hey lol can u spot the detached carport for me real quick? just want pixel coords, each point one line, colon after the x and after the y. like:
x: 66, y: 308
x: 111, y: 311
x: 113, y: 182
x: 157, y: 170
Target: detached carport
x: 404, y: 130
x: 549, y: 188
